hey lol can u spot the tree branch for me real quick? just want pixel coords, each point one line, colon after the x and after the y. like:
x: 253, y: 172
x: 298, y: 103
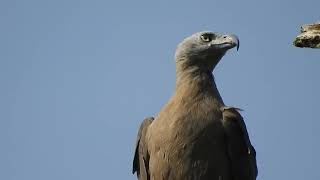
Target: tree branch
x: 309, y: 37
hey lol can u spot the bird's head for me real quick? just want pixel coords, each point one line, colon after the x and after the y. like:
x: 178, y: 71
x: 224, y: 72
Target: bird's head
x: 204, y: 49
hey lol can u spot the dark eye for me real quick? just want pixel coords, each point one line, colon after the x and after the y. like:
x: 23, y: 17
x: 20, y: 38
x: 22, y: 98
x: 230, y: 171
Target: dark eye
x: 206, y: 37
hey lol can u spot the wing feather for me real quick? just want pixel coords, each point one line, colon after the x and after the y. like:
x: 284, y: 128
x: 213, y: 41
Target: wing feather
x: 241, y: 153
x: 141, y: 156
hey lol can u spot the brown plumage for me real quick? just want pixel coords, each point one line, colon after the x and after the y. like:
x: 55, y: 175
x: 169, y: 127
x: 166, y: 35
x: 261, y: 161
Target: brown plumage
x: 195, y: 136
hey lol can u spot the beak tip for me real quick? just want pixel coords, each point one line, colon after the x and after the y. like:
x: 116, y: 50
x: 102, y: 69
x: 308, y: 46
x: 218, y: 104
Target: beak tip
x: 237, y: 42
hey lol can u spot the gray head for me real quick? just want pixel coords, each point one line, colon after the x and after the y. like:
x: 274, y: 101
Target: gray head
x: 203, y: 50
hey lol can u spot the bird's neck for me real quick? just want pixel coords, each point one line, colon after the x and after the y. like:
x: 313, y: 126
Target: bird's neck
x: 195, y: 82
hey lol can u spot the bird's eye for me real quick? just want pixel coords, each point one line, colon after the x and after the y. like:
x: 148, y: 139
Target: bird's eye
x: 206, y: 37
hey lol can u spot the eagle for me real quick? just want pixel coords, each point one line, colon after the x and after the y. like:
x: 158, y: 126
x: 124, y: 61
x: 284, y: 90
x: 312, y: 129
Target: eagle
x: 195, y: 136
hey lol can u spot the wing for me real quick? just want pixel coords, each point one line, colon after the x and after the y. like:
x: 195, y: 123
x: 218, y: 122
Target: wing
x: 141, y: 156
x: 241, y: 153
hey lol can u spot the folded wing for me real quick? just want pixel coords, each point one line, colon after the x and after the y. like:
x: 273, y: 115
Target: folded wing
x: 141, y: 156
x: 241, y: 153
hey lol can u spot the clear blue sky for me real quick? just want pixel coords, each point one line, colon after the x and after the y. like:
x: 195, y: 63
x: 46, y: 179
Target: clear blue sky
x: 78, y: 77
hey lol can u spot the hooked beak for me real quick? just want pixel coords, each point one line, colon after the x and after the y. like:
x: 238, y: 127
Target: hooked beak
x: 226, y: 42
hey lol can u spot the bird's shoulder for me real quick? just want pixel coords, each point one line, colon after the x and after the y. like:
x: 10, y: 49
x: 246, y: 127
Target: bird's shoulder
x: 233, y: 122
x: 231, y: 118
x: 229, y: 112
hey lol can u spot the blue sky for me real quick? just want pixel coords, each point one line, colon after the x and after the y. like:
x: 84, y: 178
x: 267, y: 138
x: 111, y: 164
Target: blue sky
x: 78, y: 77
